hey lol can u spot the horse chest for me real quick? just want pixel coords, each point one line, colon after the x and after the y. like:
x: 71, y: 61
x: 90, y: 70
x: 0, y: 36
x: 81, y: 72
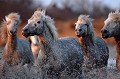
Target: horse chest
x: 11, y: 56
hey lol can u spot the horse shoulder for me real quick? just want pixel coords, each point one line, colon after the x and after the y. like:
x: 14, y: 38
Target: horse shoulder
x: 101, y: 44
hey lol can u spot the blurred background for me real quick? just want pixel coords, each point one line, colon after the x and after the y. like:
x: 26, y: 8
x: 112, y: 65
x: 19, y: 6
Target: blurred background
x: 64, y: 12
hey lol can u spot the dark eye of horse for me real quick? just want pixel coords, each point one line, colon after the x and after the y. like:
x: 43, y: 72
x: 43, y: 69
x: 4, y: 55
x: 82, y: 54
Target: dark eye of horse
x: 86, y: 24
x: 38, y: 22
x: 8, y: 22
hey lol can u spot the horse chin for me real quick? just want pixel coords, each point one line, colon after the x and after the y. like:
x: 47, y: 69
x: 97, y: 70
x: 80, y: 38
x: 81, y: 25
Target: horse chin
x: 78, y: 36
x: 25, y: 35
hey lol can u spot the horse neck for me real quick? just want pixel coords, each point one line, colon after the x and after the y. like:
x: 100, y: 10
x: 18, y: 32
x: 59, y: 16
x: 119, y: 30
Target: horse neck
x: 34, y: 39
x: 47, y: 41
x: 11, y: 42
x: 117, y: 39
x: 88, y: 44
x: 88, y: 40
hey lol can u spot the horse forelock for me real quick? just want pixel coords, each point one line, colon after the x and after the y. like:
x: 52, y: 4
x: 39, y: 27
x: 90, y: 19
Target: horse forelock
x: 13, y: 16
x: 38, y: 14
x: 85, y: 19
x: 115, y: 16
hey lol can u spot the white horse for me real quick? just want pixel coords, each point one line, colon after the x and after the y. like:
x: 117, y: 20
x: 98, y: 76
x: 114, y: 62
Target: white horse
x: 56, y: 55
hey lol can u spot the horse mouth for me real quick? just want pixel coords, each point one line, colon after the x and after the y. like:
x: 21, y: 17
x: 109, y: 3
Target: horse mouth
x: 105, y: 36
x: 25, y: 35
x: 79, y: 36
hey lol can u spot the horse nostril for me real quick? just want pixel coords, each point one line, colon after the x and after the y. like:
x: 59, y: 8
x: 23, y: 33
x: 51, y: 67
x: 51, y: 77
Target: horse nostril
x: 25, y: 29
x: 11, y: 31
x: 105, y: 31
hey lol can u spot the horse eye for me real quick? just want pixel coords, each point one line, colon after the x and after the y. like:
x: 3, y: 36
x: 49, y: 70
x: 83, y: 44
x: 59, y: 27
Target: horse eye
x: 86, y: 24
x: 38, y: 22
x: 8, y: 23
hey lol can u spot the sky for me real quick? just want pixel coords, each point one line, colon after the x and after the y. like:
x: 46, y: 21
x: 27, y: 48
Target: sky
x: 114, y: 4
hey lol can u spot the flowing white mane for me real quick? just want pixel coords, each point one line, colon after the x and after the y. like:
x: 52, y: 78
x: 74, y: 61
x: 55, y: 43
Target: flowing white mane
x: 39, y: 14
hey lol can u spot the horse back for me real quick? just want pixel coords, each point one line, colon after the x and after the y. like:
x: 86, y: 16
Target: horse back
x: 72, y: 48
x: 102, y: 45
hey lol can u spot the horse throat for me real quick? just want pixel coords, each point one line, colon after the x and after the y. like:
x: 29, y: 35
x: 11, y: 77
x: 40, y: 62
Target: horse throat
x: 12, y: 42
x: 117, y: 39
x: 88, y: 44
x: 46, y: 55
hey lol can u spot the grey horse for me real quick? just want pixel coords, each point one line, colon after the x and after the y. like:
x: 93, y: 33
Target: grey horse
x: 95, y: 48
x: 57, y: 55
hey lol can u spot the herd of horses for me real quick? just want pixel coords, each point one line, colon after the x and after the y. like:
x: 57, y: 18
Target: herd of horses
x: 56, y: 55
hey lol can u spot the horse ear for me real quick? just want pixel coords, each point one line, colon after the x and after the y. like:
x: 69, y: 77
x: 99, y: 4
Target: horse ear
x: 91, y: 19
x: 117, y: 11
x: 6, y: 18
x: 43, y: 12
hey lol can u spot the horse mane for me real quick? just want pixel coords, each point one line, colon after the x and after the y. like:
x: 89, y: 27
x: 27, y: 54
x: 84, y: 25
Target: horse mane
x: 86, y: 18
x: 39, y: 13
x: 12, y: 16
x: 115, y: 16
x: 88, y: 21
x: 51, y: 26
x: 3, y: 31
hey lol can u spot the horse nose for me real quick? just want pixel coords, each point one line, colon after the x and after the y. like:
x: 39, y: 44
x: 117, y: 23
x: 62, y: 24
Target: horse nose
x: 104, y: 31
x: 25, y: 30
x: 14, y: 31
x: 80, y: 29
x: 11, y: 31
